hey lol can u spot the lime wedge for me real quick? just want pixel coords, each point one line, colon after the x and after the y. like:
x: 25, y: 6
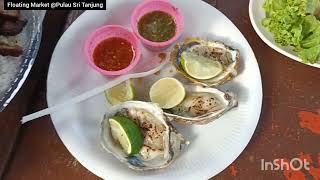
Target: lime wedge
x: 127, y: 133
x: 167, y: 92
x: 120, y: 93
x: 200, y: 67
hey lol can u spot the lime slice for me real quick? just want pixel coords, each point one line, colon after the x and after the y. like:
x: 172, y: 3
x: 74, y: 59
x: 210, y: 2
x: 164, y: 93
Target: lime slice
x: 167, y: 92
x: 127, y: 133
x: 121, y: 93
x: 200, y: 67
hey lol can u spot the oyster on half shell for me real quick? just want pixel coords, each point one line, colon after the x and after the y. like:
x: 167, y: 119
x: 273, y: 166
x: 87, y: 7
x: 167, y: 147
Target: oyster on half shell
x: 162, y: 142
x: 228, y: 57
x: 201, y: 105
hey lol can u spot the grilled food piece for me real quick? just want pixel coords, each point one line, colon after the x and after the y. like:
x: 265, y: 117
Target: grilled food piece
x: 11, y: 24
x: 8, y: 14
x: 10, y: 50
x: 12, y: 28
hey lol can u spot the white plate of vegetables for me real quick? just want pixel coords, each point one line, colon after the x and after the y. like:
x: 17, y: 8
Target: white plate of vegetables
x: 291, y: 27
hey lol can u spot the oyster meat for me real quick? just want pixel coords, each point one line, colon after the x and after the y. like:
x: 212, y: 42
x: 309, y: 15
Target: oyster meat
x: 162, y: 142
x: 228, y: 57
x: 201, y: 105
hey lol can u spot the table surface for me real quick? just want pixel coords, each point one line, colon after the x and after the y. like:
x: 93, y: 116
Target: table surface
x: 289, y: 125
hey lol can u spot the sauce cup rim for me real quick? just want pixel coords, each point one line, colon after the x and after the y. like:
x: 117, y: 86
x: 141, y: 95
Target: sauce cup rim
x: 134, y: 23
x: 134, y: 42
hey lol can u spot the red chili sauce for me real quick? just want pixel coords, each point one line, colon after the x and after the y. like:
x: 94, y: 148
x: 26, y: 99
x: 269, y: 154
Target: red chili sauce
x: 113, y: 54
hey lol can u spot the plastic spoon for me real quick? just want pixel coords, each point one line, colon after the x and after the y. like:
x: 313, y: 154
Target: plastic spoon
x: 138, y: 74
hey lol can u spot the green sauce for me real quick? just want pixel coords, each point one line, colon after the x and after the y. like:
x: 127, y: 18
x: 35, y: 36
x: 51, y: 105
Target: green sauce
x: 157, y: 26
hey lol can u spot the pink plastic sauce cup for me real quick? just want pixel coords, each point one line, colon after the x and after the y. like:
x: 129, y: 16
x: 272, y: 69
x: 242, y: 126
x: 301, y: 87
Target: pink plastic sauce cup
x: 157, y: 5
x: 104, y: 33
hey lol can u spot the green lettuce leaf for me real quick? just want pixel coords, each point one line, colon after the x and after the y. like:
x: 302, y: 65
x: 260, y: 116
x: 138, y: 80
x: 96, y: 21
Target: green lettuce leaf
x: 310, y: 55
x: 312, y: 40
x: 293, y: 23
x: 312, y: 7
x: 310, y: 24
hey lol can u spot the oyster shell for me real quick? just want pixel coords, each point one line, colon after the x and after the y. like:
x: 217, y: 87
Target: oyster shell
x: 201, y: 106
x: 162, y: 142
x: 228, y: 57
